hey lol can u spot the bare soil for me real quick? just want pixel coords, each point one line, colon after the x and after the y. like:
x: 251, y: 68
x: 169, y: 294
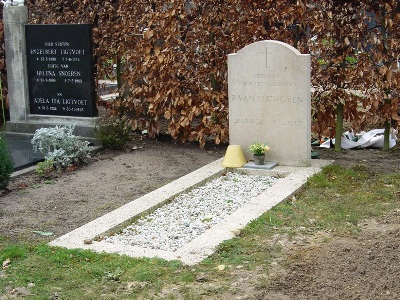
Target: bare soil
x: 61, y: 202
x: 365, y: 267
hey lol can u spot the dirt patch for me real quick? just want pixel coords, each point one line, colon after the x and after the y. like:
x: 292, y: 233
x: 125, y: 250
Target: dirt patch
x: 366, y: 267
x: 371, y: 160
x: 62, y: 202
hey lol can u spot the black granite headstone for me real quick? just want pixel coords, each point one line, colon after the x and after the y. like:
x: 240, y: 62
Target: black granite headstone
x: 60, y: 70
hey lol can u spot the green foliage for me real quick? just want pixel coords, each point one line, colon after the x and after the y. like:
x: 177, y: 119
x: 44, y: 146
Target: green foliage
x: 113, y: 134
x: 322, y: 62
x: 113, y: 275
x: 351, y: 60
x: 6, y: 164
x: 258, y: 148
x: 61, y: 146
x: 44, y: 168
x: 327, y: 42
x: 13, y: 252
x: 229, y: 248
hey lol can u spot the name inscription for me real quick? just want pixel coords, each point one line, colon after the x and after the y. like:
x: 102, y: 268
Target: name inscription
x: 250, y: 121
x: 269, y: 83
x: 268, y: 99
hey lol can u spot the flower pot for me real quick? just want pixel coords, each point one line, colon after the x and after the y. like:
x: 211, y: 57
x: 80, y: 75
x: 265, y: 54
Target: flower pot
x: 259, y: 159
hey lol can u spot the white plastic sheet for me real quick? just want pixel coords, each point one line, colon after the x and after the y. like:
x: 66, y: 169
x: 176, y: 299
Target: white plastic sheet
x: 373, y: 139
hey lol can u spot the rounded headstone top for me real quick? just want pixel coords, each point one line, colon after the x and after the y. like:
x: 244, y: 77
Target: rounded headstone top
x: 7, y: 3
x: 264, y: 43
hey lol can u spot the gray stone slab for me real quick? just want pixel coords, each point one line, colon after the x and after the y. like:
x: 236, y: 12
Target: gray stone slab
x: 15, y: 18
x: 21, y: 150
x: 268, y: 165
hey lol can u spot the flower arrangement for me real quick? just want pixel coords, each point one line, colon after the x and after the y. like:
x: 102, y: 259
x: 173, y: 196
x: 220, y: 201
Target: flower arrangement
x: 259, y: 149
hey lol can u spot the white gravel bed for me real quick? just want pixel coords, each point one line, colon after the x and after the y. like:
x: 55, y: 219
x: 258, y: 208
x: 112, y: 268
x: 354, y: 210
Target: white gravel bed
x: 173, y: 225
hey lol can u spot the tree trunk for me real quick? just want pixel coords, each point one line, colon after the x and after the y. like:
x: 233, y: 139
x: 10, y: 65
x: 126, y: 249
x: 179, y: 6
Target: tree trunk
x: 121, y: 95
x: 118, y: 71
x: 339, y: 127
x: 386, y: 136
x: 3, y: 109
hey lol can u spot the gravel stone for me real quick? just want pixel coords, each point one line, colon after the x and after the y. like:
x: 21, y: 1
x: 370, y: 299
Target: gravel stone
x: 173, y: 225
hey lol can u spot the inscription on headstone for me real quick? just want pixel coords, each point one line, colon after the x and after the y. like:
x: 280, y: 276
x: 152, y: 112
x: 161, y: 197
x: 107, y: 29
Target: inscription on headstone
x: 60, y: 70
x: 269, y: 101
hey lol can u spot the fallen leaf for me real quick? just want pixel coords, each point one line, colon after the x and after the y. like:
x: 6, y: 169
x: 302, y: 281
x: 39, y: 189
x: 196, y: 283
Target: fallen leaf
x: 221, y: 267
x: 6, y: 263
x: 71, y: 168
x: 44, y: 233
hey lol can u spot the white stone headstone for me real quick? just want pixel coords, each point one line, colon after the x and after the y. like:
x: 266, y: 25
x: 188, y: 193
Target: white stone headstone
x: 269, y: 88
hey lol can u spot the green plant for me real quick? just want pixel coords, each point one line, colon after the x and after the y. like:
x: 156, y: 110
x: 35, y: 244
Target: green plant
x: 113, y: 134
x: 6, y: 164
x: 44, y: 168
x: 258, y: 148
x: 113, y: 275
x: 351, y: 60
x: 61, y: 146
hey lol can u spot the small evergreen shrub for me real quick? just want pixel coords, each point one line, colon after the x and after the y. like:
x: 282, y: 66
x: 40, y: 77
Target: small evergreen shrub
x: 113, y: 133
x: 60, y: 146
x: 6, y: 164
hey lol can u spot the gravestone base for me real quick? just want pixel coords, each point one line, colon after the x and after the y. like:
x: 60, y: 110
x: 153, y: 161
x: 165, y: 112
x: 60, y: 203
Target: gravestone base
x: 84, y: 127
x: 268, y: 165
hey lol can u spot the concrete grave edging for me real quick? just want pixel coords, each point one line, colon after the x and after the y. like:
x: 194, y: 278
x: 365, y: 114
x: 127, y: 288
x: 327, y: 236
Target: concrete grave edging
x: 293, y: 178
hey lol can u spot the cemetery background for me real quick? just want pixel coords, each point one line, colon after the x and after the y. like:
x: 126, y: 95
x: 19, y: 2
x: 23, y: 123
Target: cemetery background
x: 210, y: 109
x: 174, y: 58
